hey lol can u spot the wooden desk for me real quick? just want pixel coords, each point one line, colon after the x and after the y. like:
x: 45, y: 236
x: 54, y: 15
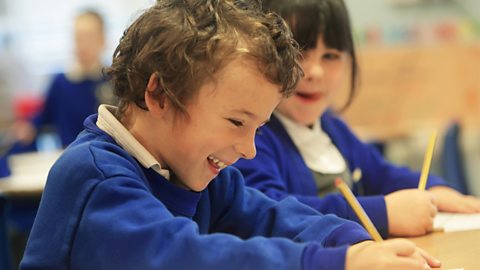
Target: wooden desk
x: 453, y: 249
x: 28, y: 173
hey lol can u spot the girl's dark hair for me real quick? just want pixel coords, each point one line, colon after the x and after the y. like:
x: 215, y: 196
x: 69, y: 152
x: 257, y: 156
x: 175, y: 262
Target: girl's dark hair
x: 309, y: 19
x: 185, y: 42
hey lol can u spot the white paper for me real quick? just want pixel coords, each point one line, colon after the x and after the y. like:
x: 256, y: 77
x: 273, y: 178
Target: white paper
x: 449, y: 222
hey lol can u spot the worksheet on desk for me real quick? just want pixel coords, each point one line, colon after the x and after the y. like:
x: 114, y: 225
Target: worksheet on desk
x: 452, y: 222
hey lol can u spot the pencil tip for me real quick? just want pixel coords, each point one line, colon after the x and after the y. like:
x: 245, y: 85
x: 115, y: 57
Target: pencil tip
x: 338, y: 181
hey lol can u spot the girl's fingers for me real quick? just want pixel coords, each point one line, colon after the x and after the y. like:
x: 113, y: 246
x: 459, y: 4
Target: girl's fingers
x: 433, y: 211
x: 431, y: 261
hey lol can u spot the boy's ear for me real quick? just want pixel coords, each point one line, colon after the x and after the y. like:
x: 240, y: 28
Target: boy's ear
x: 154, y: 100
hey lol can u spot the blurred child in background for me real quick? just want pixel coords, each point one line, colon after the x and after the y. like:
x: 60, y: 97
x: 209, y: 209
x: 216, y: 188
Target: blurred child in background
x: 75, y: 94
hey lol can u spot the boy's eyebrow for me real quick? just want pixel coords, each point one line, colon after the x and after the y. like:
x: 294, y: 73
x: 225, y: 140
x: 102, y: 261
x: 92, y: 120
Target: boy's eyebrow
x: 250, y: 115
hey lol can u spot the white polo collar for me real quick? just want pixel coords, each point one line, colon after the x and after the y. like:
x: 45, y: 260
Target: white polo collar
x: 315, y: 146
x: 109, y: 123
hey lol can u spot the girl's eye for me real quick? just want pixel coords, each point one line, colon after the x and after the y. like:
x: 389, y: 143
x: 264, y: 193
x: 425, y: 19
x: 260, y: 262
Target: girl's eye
x: 331, y: 56
x: 236, y: 122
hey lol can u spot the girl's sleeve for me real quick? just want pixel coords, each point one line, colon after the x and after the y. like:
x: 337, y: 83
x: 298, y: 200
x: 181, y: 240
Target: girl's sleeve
x: 378, y: 175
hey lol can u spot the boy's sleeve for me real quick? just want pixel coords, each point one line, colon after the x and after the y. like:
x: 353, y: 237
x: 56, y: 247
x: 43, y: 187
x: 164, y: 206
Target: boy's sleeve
x: 254, y: 214
x: 124, y: 227
x: 285, y: 218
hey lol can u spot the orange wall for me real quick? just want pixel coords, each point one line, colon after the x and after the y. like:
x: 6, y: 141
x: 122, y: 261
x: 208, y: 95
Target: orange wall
x: 414, y: 87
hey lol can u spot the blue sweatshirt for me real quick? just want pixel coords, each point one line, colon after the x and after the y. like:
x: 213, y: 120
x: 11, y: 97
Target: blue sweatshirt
x: 102, y: 210
x: 279, y: 170
x: 67, y: 104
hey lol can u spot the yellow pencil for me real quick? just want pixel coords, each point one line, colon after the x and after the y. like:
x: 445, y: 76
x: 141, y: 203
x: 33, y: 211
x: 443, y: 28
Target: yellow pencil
x: 357, y: 208
x: 426, y: 162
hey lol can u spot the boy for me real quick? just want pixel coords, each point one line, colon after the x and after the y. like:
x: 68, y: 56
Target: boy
x: 195, y: 79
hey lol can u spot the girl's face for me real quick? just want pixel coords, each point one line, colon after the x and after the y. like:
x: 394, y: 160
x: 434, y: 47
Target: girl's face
x: 221, y: 126
x: 325, y: 69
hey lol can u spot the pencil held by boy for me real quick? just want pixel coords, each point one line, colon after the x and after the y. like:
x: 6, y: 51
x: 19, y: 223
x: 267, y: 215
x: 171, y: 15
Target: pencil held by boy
x: 148, y: 184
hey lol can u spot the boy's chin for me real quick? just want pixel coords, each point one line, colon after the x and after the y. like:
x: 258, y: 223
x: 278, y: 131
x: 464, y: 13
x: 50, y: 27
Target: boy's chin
x: 199, y: 188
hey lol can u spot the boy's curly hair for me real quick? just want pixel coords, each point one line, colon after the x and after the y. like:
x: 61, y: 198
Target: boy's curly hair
x: 184, y: 42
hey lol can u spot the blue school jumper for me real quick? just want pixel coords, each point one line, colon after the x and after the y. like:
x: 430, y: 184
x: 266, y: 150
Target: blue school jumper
x: 102, y: 210
x: 67, y: 104
x: 279, y: 170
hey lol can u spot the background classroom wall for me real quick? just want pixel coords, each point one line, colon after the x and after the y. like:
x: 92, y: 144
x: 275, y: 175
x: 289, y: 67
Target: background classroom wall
x: 37, y: 39
x: 420, y: 70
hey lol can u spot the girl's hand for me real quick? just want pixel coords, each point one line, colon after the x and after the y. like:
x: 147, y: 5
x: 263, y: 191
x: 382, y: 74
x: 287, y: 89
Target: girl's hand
x: 393, y: 254
x: 410, y: 212
x: 450, y: 200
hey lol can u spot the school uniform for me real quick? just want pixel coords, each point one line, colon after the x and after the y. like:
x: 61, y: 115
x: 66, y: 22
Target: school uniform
x: 108, y: 204
x: 70, y: 98
x: 280, y: 170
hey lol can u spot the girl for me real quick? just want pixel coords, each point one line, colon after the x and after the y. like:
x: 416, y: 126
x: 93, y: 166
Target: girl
x: 306, y: 146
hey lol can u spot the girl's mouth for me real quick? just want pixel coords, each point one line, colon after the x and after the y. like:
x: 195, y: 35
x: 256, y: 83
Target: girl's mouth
x: 309, y: 97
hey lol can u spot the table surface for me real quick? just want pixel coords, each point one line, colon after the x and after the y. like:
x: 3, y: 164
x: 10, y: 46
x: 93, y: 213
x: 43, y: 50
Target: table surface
x: 29, y: 173
x: 453, y: 249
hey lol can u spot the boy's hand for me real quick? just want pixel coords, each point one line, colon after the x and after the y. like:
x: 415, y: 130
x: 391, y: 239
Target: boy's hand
x: 450, y: 200
x: 410, y: 212
x: 393, y: 254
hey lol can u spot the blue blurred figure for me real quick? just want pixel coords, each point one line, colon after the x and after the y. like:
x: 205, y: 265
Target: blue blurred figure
x: 75, y: 94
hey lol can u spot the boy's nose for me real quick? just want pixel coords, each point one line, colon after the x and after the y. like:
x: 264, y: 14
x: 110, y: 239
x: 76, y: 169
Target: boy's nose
x: 246, y: 148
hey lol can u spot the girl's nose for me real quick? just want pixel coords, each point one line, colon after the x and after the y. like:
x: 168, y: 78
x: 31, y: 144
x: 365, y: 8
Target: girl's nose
x: 314, y: 72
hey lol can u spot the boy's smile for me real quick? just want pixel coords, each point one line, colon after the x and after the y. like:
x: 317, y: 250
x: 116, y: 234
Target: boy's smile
x: 216, y: 164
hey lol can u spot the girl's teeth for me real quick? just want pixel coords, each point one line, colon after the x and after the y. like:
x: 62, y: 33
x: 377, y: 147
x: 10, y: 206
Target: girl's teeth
x: 221, y: 164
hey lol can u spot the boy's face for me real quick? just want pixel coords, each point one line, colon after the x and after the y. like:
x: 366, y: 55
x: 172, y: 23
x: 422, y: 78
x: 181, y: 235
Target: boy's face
x: 325, y: 69
x: 222, y: 124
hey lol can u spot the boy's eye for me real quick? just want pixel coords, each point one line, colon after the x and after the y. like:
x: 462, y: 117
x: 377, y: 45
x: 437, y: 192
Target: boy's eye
x: 236, y: 122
